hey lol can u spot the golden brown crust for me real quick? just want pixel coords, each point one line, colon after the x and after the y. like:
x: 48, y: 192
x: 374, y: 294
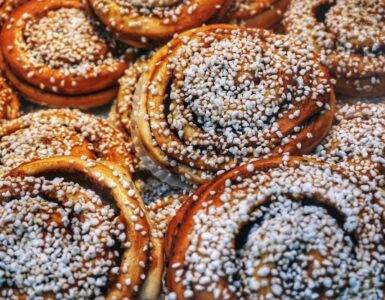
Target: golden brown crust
x: 6, y: 7
x: 361, y: 87
x: 176, y: 221
x: 152, y: 283
x: 241, y: 235
x: 350, y: 36
x: 9, y: 101
x: 61, y: 132
x: 121, y: 111
x: 76, y: 70
x: 125, y: 276
x: 257, y: 13
x: 167, y: 131
x: 41, y: 97
x: 120, y: 114
x: 147, y: 23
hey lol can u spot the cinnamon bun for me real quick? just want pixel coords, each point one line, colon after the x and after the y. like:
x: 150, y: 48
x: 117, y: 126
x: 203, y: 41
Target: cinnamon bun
x: 75, y: 229
x: 9, y: 101
x: 55, y: 53
x: 281, y: 228
x: 257, y: 13
x: 219, y: 95
x: 57, y: 132
x: 350, y: 34
x: 357, y: 140
x: 146, y: 23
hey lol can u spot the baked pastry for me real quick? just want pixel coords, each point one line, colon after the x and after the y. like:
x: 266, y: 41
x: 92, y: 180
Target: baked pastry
x: 6, y: 7
x: 286, y: 228
x: 357, y: 140
x: 219, y: 95
x: 9, y: 102
x: 79, y: 68
x: 57, y: 132
x: 350, y: 34
x: 75, y: 229
x: 257, y: 13
x: 147, y: 23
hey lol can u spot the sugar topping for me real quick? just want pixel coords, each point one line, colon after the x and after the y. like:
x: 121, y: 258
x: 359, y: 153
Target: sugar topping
x: 68, y: 40
x: 58, y: 132
x: 123, y: 109
x: 167, y: 10
x: 163, y: 210
x: 357, y: 140
x: 9, y: 102
x: 349, y: 33
x: 6, y: 7
x: 294, y: 232
x: 235, y: 95
x: 68, y: 247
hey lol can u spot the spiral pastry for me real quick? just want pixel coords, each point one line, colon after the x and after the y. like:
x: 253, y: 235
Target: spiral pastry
x: 57, y: 132
x: 146, y: 23
x: 280, y: 229
x: 56, y: 54
x: 357, y: 140
x: 257, y: 13
x: 9, y: 101
x: 350, y: 34
x: 71, y: 229
x: 222, y: 94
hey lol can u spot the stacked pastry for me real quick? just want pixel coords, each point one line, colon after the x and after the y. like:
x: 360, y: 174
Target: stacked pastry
x: 55, y: 53
x: 228, y: 168
x: 74, y: 229
x: 284, y: 228
x: 206, y: 102
x: 350, y: 35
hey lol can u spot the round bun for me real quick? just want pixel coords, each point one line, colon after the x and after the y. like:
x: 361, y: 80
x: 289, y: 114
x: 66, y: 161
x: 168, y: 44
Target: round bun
x: 285, y: 228
x: 147, y: 23
x: 206, y: 102
x: 350, y: 34
x: 55, y: 53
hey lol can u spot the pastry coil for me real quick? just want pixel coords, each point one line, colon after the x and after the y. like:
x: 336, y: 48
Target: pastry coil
x: 56, y: 54
x: 206, y: 102
x: 146, y: 23
x: 58, y: 132
x: 357, y: 140
x: 350, y: 34
x: 257, y: 13
x: 81, y: 232
x: 279, y: 228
